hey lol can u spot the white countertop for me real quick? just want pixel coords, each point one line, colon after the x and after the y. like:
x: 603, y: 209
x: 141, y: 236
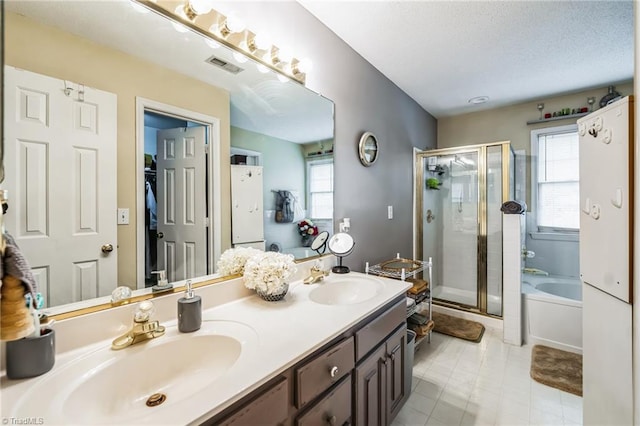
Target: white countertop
x: 287, y: 331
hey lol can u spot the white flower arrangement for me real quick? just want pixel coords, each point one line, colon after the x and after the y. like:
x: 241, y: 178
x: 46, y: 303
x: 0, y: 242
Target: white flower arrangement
x: 269, y: 272
x: 233, y: 260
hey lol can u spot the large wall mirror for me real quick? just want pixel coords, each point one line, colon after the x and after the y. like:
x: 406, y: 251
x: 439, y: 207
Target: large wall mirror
x: 158, y: 120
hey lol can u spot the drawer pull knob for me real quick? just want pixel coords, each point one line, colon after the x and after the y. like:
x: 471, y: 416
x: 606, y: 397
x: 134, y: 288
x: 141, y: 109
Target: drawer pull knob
x: 331, y: 420
x: 334, y: 371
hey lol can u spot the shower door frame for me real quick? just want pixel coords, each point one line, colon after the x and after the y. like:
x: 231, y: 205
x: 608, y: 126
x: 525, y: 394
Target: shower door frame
x: 420, y: 164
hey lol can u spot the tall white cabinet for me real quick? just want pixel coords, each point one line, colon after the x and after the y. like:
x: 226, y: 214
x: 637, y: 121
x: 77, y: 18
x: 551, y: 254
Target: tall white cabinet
x: 606, y: 229
x: 247, y: 213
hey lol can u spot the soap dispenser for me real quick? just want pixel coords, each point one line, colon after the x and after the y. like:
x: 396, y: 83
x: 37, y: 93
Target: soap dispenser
x: 163, y: 283
x: 189, y: 311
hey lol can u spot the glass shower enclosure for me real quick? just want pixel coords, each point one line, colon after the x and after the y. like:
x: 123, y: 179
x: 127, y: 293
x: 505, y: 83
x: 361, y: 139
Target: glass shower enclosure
x: 459, y: 192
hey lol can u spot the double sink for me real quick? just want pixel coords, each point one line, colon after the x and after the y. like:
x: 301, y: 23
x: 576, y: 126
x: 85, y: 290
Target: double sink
x: 100, y: 385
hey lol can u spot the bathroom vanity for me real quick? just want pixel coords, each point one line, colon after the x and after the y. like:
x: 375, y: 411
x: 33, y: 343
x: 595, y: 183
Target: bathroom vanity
x: 356, y: 379
x: 331, y: 352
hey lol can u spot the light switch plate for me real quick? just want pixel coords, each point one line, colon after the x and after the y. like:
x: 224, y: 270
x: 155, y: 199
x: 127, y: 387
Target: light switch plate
x: 123, y: 216
x: 389, y: 212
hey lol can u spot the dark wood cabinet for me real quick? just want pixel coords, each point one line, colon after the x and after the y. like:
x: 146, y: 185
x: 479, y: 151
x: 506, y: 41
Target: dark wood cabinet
x: 396, y: 346
x: 370, y: 378
x: 359, y: 377
x: 380, y: 387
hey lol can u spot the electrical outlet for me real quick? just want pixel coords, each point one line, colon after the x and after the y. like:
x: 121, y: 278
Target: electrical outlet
x: 123, y: 216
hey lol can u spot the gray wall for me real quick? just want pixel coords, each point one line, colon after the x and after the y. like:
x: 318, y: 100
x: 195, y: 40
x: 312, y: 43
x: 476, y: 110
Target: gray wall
x: 364, y: 100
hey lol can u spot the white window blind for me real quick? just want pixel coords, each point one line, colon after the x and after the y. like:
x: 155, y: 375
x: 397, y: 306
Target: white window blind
x: 320, y: 178
x: 558, y: 201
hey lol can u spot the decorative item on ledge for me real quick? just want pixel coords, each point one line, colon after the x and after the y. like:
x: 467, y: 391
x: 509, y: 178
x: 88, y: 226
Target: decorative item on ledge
x: 200, y: 17
x: 268, y: 274
x: 562, y: 114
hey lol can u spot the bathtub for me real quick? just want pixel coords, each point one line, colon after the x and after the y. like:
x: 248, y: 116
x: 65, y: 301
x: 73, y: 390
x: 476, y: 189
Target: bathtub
x: 552, y: 311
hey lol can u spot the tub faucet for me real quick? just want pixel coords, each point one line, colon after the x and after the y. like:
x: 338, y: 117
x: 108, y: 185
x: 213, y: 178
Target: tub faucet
x: 142, y: 330
x: 316, y: 274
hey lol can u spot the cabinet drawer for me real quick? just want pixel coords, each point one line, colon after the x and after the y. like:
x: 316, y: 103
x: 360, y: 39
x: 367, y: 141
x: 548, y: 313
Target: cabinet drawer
x: 333, y: 409
x: 269, y: 408
x: 324, y: 370
x: 370, y: 336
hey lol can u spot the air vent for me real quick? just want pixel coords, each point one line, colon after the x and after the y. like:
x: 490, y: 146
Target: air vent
x: 229, y: 67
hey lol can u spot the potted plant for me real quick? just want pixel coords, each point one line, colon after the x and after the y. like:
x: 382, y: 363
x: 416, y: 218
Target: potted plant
x: 268, y: 273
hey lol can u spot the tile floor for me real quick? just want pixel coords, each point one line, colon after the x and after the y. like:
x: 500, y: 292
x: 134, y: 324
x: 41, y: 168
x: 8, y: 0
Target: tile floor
x: 456, y: 382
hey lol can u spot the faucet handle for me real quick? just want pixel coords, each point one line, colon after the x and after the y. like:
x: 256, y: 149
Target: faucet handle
x: 144, y: 311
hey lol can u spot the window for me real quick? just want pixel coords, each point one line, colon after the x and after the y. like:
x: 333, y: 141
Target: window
x: 556, y: 178
x: 320, y: 184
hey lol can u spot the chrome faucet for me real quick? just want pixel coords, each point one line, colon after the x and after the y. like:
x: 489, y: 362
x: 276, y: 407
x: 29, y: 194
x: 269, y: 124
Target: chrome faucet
x: 142, y: 329
x: 316, y: 274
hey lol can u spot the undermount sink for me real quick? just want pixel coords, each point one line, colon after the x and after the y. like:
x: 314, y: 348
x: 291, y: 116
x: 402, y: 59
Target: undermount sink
x: 110, y: 387
x: 346, y: 290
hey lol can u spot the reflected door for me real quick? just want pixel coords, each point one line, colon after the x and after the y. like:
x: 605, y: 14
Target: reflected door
x: 61, y: 176
x: 181, y: 203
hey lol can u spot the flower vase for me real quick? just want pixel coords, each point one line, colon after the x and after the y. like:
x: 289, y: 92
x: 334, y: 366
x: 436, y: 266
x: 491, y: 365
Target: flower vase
x: 307, y: 240
x: 273, y: 297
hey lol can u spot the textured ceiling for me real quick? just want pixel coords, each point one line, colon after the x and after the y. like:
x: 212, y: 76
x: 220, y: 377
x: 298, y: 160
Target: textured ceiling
x: 442, y: 53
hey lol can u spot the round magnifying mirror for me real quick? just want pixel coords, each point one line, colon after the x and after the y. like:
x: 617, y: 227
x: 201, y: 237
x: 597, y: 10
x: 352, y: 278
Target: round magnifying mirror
x: 320, y: 242
x: 368, y: 149
x: 341, y: 244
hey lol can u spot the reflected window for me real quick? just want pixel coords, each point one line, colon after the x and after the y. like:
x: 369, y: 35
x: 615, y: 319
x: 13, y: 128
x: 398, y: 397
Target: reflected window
x: 320, y: 184
x: 557, y: 178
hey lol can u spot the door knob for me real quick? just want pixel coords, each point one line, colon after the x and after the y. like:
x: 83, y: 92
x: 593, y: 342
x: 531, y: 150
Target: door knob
x: 334, y: 371
x: 107, y: 248
x: 160, y: 235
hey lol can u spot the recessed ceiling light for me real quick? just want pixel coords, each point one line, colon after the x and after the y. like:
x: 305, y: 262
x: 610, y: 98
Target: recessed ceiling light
x: 479, y: 100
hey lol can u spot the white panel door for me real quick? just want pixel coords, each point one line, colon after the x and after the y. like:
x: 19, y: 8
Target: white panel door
x: 247, y: 216
x: 181, y: 202
x: 60, y: 159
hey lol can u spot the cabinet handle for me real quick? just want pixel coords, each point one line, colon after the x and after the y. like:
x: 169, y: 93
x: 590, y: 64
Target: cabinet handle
x: 334, y: 371
x: 331, y: 420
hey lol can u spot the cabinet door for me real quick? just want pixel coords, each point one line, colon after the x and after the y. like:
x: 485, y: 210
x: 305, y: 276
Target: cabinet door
x: 396, y: 347
x: 370, y: 377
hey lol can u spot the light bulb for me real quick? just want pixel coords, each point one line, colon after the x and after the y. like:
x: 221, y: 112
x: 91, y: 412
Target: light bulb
x: 234, y: 23
x: 262, y: 42
x: 304, y: 65
x: 178, y: 26
x: 285, y: 55
x: 262, y: 68
x: 200, y: 7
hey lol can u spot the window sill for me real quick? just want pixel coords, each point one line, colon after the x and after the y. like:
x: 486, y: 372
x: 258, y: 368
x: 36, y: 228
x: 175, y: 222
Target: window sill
x: 555, y: 236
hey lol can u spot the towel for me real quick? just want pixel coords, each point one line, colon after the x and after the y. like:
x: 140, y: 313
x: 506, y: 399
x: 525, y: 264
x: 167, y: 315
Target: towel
x: 513, y: 207
x: 14, y: 264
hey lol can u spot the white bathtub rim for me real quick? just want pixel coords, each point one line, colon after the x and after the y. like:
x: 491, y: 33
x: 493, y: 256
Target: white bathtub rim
x: 529, y: 290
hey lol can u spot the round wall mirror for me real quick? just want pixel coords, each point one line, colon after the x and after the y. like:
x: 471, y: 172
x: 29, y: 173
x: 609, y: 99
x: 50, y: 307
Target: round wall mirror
x: 368, y: 149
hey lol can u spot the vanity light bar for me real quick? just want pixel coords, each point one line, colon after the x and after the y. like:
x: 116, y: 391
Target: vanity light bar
x: 227, y: 31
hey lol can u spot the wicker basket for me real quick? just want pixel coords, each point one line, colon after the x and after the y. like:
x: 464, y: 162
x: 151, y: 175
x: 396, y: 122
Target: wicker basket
x: 274, y: 297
